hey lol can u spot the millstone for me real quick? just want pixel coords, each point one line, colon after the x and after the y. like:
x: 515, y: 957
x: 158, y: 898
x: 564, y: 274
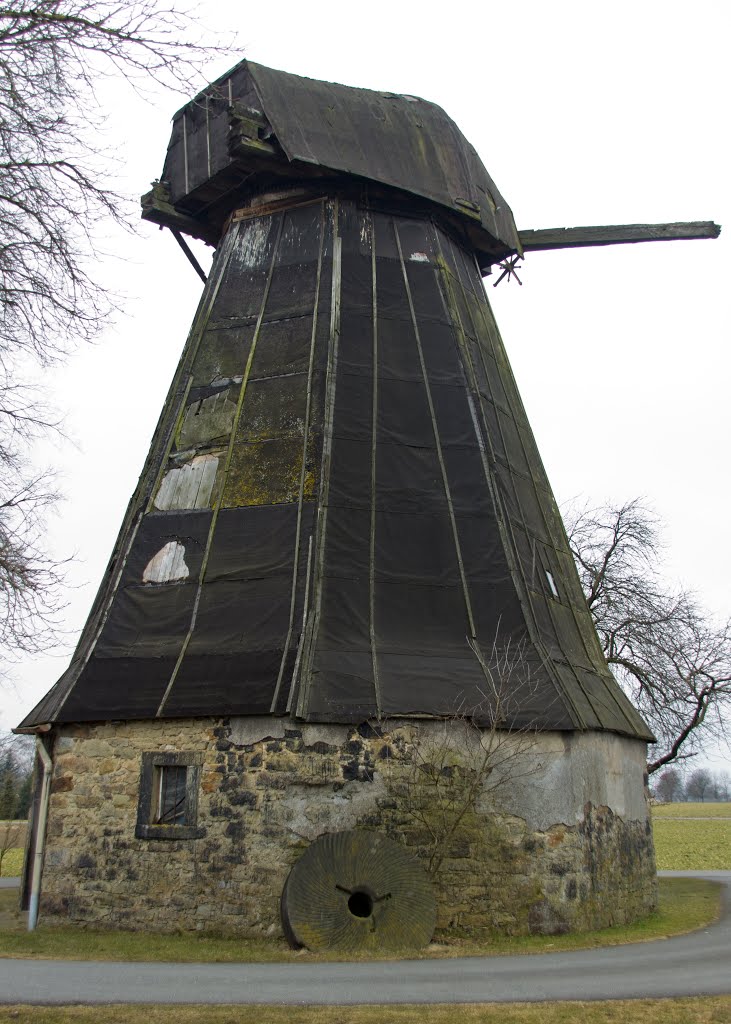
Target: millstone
x: 358, y: 890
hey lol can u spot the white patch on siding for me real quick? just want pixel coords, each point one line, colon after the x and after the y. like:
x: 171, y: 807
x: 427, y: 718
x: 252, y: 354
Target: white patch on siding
x: 190, y: 486
x: 253, y: 248
x: 168, y: 565
x: 366, y: 239
x: 552, y: 583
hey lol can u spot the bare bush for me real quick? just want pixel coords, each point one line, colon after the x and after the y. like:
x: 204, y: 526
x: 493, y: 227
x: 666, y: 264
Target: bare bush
x: 442, y: 770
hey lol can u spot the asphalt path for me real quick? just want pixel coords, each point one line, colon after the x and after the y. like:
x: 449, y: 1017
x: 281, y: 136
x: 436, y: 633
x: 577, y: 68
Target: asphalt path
x: 689, y: 965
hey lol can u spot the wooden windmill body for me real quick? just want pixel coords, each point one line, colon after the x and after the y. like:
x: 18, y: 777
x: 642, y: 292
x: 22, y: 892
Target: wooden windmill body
x: 343, y: 518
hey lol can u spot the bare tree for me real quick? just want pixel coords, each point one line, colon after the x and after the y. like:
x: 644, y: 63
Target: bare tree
x: 672, y: 660
x: 722, y: 785
x: 669, y: 785
x: 699, y: 784
x: 55, y: 190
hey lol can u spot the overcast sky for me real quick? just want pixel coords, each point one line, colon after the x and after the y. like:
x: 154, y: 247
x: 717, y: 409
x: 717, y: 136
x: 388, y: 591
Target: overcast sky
x: 583, y: 114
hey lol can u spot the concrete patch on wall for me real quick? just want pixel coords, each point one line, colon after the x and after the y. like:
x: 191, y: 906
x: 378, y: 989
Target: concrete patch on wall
x: 245, y: 731
x: 576, y: 769
x: 334, y: 735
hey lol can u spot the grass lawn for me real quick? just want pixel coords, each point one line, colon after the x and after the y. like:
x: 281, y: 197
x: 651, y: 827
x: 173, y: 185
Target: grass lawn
x: 12, y: 843
x: 685, y: 904
x: 12, y: 863
x: 692, y: 837
x: 692, y: 845
x: 709, y: 1010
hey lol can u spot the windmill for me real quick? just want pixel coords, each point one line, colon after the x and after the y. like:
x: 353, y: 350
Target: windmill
x: 343, y: 517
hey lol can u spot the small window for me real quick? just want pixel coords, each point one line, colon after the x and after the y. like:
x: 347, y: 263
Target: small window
x: 168, y: 804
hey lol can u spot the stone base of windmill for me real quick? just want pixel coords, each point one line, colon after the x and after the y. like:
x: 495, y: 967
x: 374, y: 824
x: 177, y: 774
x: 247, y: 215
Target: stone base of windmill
x: 550, y: 833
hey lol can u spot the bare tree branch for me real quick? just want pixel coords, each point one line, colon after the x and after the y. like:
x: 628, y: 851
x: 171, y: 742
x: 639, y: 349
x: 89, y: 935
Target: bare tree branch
x: 669, y: 657
x: 55, y: 192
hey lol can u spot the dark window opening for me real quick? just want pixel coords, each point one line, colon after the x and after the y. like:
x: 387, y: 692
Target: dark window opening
x: 170, y: 786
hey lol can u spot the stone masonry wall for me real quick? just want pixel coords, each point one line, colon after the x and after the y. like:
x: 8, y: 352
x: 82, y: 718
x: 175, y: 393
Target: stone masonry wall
x: 552, y: 836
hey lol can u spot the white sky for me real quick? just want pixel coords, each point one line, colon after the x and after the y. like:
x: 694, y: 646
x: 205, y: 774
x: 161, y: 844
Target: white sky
x: 583, y: 113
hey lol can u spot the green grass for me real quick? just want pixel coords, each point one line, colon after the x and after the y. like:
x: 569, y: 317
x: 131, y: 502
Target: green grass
x: 710, y: 810
x: 708, y: 1010
x: 12, y: 863
x: 12, y: 842
x: 692, y: 845
x: 685, y: 904
x: 692, y: 837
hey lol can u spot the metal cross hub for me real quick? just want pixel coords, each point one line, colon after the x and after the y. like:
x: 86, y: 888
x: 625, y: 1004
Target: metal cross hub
x: 508, y: 268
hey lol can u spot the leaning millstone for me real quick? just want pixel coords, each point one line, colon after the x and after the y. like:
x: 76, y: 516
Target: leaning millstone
x: 355, y: 891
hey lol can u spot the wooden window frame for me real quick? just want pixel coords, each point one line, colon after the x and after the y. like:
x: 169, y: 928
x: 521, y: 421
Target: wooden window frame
x: 146, y: 827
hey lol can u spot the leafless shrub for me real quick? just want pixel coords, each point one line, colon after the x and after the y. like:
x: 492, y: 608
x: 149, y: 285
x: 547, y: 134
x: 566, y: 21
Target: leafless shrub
x: 443, y: 769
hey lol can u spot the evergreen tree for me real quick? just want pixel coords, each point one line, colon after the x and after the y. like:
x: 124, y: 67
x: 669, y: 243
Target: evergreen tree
x: 8, y: 794
x: 25, y: 792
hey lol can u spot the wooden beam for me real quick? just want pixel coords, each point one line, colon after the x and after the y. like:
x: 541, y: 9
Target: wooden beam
x: 189, y: 255
x: 615, y: 234
x: 156, y: 209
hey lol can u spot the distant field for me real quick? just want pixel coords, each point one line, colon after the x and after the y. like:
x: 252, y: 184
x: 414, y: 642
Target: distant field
x: 692, y: 837
x: 12, y: 843
x: 709, y: 810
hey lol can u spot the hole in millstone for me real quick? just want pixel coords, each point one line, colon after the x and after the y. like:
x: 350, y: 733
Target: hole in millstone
x: 360, y: 904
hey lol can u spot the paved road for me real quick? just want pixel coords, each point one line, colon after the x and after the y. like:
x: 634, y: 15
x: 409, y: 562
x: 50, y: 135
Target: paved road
x: 697, y: 964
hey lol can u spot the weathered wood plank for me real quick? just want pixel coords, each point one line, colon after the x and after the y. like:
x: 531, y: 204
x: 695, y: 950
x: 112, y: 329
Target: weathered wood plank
x: 188, y: 486
x: 168, y: 565
x: 615, y: 234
